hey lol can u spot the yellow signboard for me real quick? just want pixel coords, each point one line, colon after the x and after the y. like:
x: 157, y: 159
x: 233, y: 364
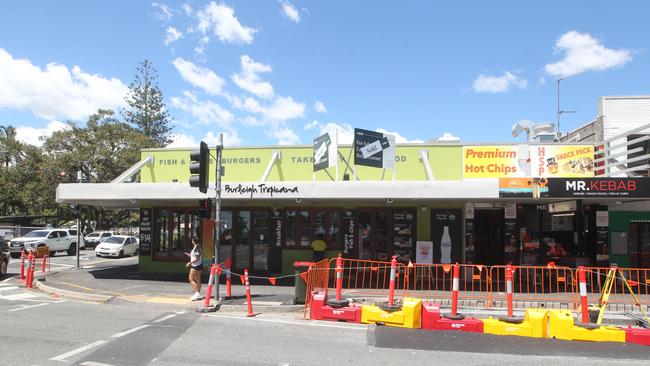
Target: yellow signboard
x: 567, y: 161
x: 491, y: 161
x: 544, y: 161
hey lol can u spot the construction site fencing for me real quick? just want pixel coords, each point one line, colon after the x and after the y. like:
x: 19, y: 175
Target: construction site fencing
x: 637, y: 278
x: 486, y: 285
x: 538, y: 284
x: 368, y: 278
x: 435, y: 281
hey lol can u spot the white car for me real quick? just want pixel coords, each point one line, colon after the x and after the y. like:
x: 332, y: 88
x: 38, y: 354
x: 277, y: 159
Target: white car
x: 96, y: 237
x: 118, y: 246
x: 56, y: 239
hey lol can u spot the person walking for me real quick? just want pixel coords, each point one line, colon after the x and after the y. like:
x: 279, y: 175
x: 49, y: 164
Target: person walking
x: 196, y: 266
x: 318, y: 246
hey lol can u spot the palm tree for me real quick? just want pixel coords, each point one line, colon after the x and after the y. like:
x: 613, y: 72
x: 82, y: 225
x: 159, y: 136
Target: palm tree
x: 10, y: 146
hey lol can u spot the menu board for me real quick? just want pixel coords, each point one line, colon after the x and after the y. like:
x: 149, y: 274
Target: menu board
x: 145, y: 231
x: 403, y: 234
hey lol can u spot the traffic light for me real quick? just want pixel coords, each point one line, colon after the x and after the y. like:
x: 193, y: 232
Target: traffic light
x: 200, y: 168
x: 205, y: 208
x: 74, y: 209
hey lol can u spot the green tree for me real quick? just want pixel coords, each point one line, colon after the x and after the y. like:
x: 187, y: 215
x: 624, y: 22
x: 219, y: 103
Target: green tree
x: 11, y: 148
x: 101, y: 151
x: 146, y: 111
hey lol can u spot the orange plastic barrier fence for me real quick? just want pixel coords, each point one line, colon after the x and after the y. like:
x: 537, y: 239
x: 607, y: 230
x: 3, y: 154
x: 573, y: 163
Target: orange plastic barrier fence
x: 315, y: 278
x: 366, y: 277
x: 434, y: 281
x: 638, y: 278
x: 535, y: 284
x: 541, y: 284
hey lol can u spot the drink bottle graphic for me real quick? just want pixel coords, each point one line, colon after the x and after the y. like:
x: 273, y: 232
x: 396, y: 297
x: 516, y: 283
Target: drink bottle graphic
x: 445, y: 246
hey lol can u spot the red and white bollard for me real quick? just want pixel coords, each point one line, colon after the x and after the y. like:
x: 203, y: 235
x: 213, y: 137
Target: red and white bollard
x: 339, y: 277
x: 44, y: 263
x: 22, y: 265
x: 509, y: 289
x: 208, y: 291
x: 391, y: 288
x: 584, y: 306
x: 455, y: 289
x: 30, y: 270
x: 228, y: 280
x: 248, y: 294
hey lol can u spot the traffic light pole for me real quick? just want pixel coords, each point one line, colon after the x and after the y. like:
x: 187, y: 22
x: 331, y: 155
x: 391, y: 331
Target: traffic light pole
x: 217, y: 217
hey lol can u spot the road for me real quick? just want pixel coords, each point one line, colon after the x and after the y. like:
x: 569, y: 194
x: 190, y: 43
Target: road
x: 38, y: 330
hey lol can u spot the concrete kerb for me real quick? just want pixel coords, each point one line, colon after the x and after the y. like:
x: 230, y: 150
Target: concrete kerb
x: 102, y: 299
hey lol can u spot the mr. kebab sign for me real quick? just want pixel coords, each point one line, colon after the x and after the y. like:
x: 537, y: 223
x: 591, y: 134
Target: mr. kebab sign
x: 511, y: 161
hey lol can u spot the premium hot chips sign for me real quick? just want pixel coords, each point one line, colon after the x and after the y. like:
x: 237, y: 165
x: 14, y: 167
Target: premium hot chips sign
x: 544, y: 161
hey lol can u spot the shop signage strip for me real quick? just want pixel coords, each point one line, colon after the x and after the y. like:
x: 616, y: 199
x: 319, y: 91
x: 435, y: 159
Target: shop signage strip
x: 574, y: 188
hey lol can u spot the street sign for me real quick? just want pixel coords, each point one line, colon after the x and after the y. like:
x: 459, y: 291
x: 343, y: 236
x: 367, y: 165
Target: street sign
x: 325, y: 150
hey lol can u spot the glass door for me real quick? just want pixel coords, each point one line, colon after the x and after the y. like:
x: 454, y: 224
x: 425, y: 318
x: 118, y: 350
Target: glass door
x: 242, y: 240
x: 226, y: 242
x: 374, y: 235
x: 640, y: 244
x: 260, y: 239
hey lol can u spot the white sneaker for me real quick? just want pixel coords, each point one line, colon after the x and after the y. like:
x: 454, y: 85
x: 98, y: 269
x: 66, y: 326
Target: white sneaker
x: 196, y: 296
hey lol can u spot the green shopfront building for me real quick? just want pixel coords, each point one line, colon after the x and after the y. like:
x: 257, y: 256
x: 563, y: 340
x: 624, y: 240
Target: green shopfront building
x: 274, y: 206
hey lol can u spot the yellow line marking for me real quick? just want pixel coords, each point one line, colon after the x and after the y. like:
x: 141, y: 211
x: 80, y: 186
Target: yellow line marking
x: 93, y: 290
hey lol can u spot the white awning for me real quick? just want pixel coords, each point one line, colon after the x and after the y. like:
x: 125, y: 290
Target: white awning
x: 133, y: 195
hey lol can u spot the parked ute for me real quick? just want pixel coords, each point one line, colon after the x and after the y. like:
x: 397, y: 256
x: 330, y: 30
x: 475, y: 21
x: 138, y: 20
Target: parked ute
x: 97, y: 237
x: 57, y: 240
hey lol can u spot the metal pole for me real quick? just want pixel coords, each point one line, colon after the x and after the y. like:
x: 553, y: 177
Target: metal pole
x: 558, y: 105
x: 78, y: 238
x: 217, y: 216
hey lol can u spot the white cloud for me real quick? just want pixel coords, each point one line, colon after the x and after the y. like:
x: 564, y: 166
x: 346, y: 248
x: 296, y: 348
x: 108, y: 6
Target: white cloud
x: 285, y: 136
x: 320, y: 107
x: 187, y: 8
x: 221, y: 20
x: 542, y: 81
x: 206, y: 112
x: 200, y: 48
x: 173, y: 35
x: 498, y: 84
x: 199, y: 77
x: 230, y: 138
x: 34, y: 136
x: 399, y: 138
x: 311, y: 125
x: 582, y: 53
x: 249, y: 80
x: 182, y: 140
x: 56, y: 91
x: 290, y: 12
x: 163, y: 12
x: 284, y: 109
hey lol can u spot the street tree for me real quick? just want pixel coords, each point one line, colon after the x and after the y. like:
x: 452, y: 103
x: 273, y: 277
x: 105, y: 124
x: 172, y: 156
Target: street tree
x: 146, y: 108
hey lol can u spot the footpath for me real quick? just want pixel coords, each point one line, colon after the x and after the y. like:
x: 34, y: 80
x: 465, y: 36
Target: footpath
x: 109, y: 283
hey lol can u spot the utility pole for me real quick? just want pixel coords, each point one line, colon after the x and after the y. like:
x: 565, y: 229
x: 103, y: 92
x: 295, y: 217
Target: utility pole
x: 217, y: 216
x: 559, y: 111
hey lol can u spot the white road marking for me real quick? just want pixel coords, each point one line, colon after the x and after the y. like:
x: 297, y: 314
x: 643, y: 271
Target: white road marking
x: 3, y: 284
x: 5, y: 288
x: 25, y: 307
x: 122, y: 334
x: 180, y: 312
x: 300, y: 323
x: 7, y: 279
x: 22, y: 296
x: 62, y: 265
x: 164, y: 318
x: 90, y: 363
x: 78, y: 350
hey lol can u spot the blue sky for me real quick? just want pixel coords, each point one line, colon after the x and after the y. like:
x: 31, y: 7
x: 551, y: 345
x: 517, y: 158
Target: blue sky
x: 281, y: 72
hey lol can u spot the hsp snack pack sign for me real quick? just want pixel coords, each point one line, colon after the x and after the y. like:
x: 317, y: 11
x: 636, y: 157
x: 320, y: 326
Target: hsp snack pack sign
x: 565, y: 161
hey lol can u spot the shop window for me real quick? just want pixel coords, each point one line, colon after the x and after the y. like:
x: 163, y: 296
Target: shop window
x: 333, y: 238
x: 305, y: 238
x: 292, y: 225
x: 173, y: 232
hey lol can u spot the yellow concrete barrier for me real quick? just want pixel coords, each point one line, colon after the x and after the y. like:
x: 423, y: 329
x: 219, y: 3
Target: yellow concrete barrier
x: 408, y: 317
x: 562, y: 326
x: 534, y: 325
